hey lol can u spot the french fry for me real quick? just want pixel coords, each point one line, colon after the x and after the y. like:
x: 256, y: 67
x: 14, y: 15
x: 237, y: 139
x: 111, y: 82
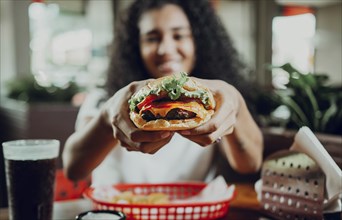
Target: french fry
x: 127, y: 197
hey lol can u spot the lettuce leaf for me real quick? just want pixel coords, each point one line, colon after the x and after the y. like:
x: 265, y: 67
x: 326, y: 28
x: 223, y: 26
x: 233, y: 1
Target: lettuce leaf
x: 174, y: 88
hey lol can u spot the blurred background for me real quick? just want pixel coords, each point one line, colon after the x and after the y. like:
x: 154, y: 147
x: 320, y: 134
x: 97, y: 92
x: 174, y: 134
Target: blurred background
x: 54, y: 51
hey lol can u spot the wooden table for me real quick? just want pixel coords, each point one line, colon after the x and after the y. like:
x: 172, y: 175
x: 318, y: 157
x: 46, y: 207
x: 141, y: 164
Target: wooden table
x: 244, y: 207
x: 64, y: 210
x: 67, y: 210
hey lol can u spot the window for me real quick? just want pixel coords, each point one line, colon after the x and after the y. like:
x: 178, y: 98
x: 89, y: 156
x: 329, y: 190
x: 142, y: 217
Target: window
x: 70, y: 45
x: 292, y: 42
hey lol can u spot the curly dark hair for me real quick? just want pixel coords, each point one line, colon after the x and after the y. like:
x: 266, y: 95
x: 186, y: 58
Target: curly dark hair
x: 216, y: 57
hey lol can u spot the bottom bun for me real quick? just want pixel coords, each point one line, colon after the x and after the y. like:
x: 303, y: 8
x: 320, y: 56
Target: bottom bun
x: 169, y: 125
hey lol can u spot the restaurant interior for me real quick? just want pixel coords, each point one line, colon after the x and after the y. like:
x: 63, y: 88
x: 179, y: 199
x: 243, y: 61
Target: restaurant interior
x: 54, y: 51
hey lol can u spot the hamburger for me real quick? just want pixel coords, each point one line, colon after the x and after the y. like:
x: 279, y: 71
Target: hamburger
x: 174, y: 102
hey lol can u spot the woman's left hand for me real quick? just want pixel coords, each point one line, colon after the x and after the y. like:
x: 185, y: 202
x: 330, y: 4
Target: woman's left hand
x: 116, y: 115
x: 224, y: 118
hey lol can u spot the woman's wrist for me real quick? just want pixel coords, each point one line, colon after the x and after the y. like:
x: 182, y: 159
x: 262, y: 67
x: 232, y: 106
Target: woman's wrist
x: 238, y: 101
x: 104, y: 117
x: 104, y: 121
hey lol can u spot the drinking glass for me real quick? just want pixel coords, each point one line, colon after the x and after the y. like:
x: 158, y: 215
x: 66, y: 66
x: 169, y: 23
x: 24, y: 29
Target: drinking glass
x: 30, y: 167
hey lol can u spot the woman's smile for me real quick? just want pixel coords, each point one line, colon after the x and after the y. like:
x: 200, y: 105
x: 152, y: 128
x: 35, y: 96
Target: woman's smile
x: 169, y: 66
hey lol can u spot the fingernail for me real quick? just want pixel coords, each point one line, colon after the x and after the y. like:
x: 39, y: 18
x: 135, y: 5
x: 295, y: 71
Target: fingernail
x: 185, y: 132
x: 165, y: 134
x: 218, y: 140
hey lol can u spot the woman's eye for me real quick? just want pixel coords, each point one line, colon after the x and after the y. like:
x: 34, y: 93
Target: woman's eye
x: 179, y: 36
x: 152, y: 39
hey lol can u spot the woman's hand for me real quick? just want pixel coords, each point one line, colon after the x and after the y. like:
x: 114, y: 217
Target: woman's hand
x: 244, y: 147
x: 116, y: 114
x: 224, y: 118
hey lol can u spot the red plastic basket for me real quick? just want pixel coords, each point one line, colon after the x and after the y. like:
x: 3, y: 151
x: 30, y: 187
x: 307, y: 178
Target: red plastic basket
x: 192, y: 211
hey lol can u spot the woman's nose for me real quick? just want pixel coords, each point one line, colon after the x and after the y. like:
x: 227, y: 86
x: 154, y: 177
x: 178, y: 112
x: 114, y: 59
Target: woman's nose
x: 166, y: 46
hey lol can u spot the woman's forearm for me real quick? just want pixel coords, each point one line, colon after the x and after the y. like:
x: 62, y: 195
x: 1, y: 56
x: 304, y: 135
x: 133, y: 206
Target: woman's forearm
x: 86, y: 148
x: 244, y: 147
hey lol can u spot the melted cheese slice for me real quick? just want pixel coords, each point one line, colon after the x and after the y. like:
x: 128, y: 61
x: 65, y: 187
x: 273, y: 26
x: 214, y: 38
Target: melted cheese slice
x: 192, y: 106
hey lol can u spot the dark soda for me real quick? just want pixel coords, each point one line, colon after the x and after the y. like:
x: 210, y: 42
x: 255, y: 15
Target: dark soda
x: 30, y: 186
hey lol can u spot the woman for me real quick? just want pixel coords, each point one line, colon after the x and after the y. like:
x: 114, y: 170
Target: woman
x: 158, y: 38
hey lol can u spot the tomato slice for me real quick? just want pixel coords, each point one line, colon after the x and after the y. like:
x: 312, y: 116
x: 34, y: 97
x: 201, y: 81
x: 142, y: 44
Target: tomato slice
x: 147, y: 100
x: 158, y: 105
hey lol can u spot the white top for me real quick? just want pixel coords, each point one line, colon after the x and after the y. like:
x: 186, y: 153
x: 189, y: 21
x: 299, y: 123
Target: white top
x: 179, y: 160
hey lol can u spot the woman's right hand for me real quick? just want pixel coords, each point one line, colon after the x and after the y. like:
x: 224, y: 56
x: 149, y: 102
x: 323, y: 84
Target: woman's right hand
x: 116, y: 114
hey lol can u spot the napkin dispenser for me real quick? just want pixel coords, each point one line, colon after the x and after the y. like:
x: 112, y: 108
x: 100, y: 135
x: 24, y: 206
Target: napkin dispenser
x: 293, y: 186
x: 301, y: 183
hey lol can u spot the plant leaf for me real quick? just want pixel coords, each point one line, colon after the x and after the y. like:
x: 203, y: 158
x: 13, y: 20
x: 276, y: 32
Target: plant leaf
x: 295, y: 108
x: 329, y: 114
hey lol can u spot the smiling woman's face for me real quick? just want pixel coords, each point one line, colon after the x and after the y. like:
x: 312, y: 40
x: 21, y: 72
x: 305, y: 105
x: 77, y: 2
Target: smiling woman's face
x: 166, y: 42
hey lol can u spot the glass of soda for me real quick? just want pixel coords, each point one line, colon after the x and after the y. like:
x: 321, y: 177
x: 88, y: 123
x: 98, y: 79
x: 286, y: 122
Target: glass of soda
x: 30, y: 167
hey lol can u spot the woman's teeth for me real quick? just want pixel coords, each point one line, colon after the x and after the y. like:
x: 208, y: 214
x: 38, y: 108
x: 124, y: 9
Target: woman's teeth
x: 169, y: 66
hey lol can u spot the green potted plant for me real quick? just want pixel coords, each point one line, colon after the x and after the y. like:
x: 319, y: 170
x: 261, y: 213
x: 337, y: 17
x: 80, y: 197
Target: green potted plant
x: 310, y: 101
x: 28, y: 89
x: 307, y: 100
x: 33, y: 110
